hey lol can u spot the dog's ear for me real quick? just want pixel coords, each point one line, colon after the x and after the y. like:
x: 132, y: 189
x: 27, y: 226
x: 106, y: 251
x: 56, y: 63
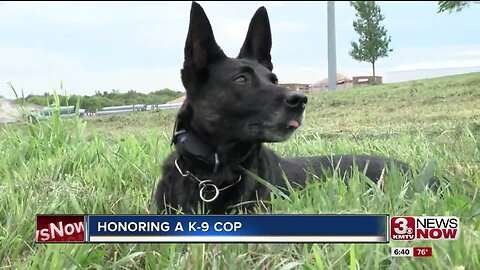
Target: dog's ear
x: 201, y: 48
x: 258, y: 43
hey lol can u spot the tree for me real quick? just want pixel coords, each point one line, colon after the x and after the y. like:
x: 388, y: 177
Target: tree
x: 454, y: 6
x: 373, y: 42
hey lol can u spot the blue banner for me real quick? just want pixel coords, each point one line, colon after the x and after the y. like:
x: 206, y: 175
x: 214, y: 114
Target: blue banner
x: 238, y: 228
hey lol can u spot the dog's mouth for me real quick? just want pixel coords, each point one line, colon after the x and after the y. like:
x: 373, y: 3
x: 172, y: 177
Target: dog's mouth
x: 276, y: 128
x: 293, y: 124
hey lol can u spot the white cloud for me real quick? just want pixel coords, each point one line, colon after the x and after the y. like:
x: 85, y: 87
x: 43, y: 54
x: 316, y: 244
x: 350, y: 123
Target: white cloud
x: 85, y: 82
x: 82, y: 14
x: 466, y: 53
x: 298, y: 74
x: 437, y: 65
x: 32, y: 60
x: 434, y: 57
x: 38, y: 71
x: 158, y: 29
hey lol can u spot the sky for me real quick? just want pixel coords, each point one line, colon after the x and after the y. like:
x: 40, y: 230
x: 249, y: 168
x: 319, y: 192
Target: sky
x: 100, y: 46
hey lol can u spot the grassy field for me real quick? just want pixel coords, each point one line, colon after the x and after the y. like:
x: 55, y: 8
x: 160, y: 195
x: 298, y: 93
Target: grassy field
x: 110, y: 164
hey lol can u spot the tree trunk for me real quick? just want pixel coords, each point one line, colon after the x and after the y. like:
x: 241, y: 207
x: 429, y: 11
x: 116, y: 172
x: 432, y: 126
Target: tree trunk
x: 373, y: 67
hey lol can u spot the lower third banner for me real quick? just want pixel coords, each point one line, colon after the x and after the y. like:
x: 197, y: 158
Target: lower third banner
x: 239, y: 228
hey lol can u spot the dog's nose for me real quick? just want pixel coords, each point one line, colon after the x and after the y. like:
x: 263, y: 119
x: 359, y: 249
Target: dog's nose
x: 295, y: 100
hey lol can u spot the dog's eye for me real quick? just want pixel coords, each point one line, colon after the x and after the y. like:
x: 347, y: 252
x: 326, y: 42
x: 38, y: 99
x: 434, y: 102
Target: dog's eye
x: 240, y: 79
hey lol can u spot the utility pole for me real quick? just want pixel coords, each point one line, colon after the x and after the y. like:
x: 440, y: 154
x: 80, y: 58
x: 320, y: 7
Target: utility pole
x: 332, y: 55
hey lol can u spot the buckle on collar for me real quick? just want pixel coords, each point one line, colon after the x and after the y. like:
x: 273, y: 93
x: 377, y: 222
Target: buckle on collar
x: 205, y: 184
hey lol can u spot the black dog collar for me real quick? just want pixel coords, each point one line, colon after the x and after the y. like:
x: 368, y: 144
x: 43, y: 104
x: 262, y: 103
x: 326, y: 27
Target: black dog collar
x: 192, y: 149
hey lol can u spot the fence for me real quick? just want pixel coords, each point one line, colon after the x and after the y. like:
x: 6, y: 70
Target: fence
x: 136, y: 108
x: 69, y: 111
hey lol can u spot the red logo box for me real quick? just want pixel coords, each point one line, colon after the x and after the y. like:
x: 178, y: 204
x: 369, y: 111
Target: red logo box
x: 60, y: 229
x: 402, y: 228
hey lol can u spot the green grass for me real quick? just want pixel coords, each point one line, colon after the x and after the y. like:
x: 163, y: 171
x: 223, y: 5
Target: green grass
x: 111, y: 164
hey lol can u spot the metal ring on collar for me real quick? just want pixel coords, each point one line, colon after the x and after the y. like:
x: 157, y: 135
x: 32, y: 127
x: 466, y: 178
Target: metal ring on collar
x: 208, y: 183
x: 179, y: 170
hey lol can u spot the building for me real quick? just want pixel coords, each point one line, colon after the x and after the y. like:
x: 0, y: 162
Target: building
x: 394, y: 76
x: 297, y: 87
x: 322, y: 85
x: 366, y: 80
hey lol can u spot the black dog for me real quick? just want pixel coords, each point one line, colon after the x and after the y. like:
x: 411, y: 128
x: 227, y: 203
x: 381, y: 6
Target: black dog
x: 234, y: 105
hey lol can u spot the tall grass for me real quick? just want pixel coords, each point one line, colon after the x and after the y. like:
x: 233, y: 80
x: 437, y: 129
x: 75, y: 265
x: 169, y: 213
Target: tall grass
x: 111, y: 165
